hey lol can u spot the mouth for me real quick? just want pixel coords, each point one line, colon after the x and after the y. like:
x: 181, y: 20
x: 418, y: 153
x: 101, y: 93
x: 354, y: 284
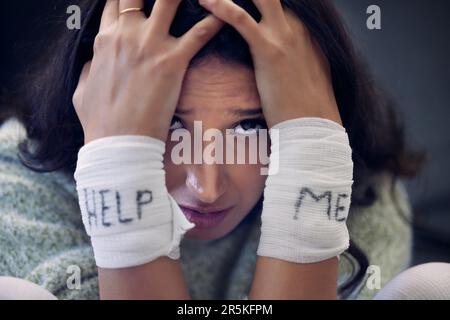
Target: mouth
x: 205, y: 218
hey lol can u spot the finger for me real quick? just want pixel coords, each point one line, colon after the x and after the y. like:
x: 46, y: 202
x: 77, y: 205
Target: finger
x: 110, y: 14
x: 131, y: 15
x: 237, y: 17
x: 271, y: 10
x: 162, y: 14
x: 199, y: 35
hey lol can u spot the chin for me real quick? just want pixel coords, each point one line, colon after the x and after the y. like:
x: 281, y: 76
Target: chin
x: 206, y: 234
x: 209, y: 234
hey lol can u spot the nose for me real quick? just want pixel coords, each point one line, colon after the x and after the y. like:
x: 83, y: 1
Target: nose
x: 208, y: 182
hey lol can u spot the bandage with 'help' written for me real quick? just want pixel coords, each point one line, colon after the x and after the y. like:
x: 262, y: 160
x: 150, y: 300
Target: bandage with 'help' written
x: 125, y: 206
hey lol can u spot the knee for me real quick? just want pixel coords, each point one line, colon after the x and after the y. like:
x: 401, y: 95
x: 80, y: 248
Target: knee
x: 422, y: 282
x: 20, y: 289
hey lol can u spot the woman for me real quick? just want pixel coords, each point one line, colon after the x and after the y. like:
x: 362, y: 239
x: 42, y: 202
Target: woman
x: 297, y: 62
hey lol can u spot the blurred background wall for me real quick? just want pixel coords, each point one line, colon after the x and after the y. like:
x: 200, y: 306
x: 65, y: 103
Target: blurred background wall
x: 410, y: 56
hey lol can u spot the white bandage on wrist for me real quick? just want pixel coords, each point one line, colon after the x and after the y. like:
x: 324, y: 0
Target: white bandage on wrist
x: 125, y: 206
x: 306, y: 202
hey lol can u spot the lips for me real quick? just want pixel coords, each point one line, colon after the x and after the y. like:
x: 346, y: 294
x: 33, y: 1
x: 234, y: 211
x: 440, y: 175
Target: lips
x: 205, y: 217
x: 211, y: 210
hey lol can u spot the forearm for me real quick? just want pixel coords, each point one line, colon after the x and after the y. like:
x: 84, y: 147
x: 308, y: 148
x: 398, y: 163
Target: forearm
x: 303, y: 222
x: 134, y: 224
x: 159, y: 279
x: 278, y: 279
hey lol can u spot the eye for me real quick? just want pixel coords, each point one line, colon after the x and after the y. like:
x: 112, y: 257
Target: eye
x: 176, y: 123
x: 250, y: 126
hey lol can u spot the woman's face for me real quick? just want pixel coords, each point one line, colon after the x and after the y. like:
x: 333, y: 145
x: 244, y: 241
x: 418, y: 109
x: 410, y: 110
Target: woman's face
x: 222, y: 96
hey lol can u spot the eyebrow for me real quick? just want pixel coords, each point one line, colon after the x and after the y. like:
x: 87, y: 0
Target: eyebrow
x: 236, y: 111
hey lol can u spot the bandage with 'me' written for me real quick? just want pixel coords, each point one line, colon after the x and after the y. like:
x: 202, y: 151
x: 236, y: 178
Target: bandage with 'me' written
x: 306, y: 203
x: 126, y: 209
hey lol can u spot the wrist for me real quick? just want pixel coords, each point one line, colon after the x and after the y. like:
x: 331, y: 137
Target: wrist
x: 324, y: 110
x: 159, y: 133
x: 306, y: 202
x: 125, y: 206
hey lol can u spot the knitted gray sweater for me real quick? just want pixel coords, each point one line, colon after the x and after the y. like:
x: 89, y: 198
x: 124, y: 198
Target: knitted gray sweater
x: 42, y: 235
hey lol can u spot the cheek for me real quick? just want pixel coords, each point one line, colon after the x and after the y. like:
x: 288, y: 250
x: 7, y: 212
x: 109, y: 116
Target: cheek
x: 175, y: 175
x: 248, y: 181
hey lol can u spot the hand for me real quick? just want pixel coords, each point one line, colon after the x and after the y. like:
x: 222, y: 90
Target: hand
x: 292, y: 73
x: 133, y: 83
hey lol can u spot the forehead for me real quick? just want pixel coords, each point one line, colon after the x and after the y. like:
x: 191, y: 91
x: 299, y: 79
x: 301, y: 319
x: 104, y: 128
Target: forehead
x: 217, y: 84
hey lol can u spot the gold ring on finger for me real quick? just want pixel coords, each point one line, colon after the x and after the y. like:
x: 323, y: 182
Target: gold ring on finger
x: 130, y: 10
